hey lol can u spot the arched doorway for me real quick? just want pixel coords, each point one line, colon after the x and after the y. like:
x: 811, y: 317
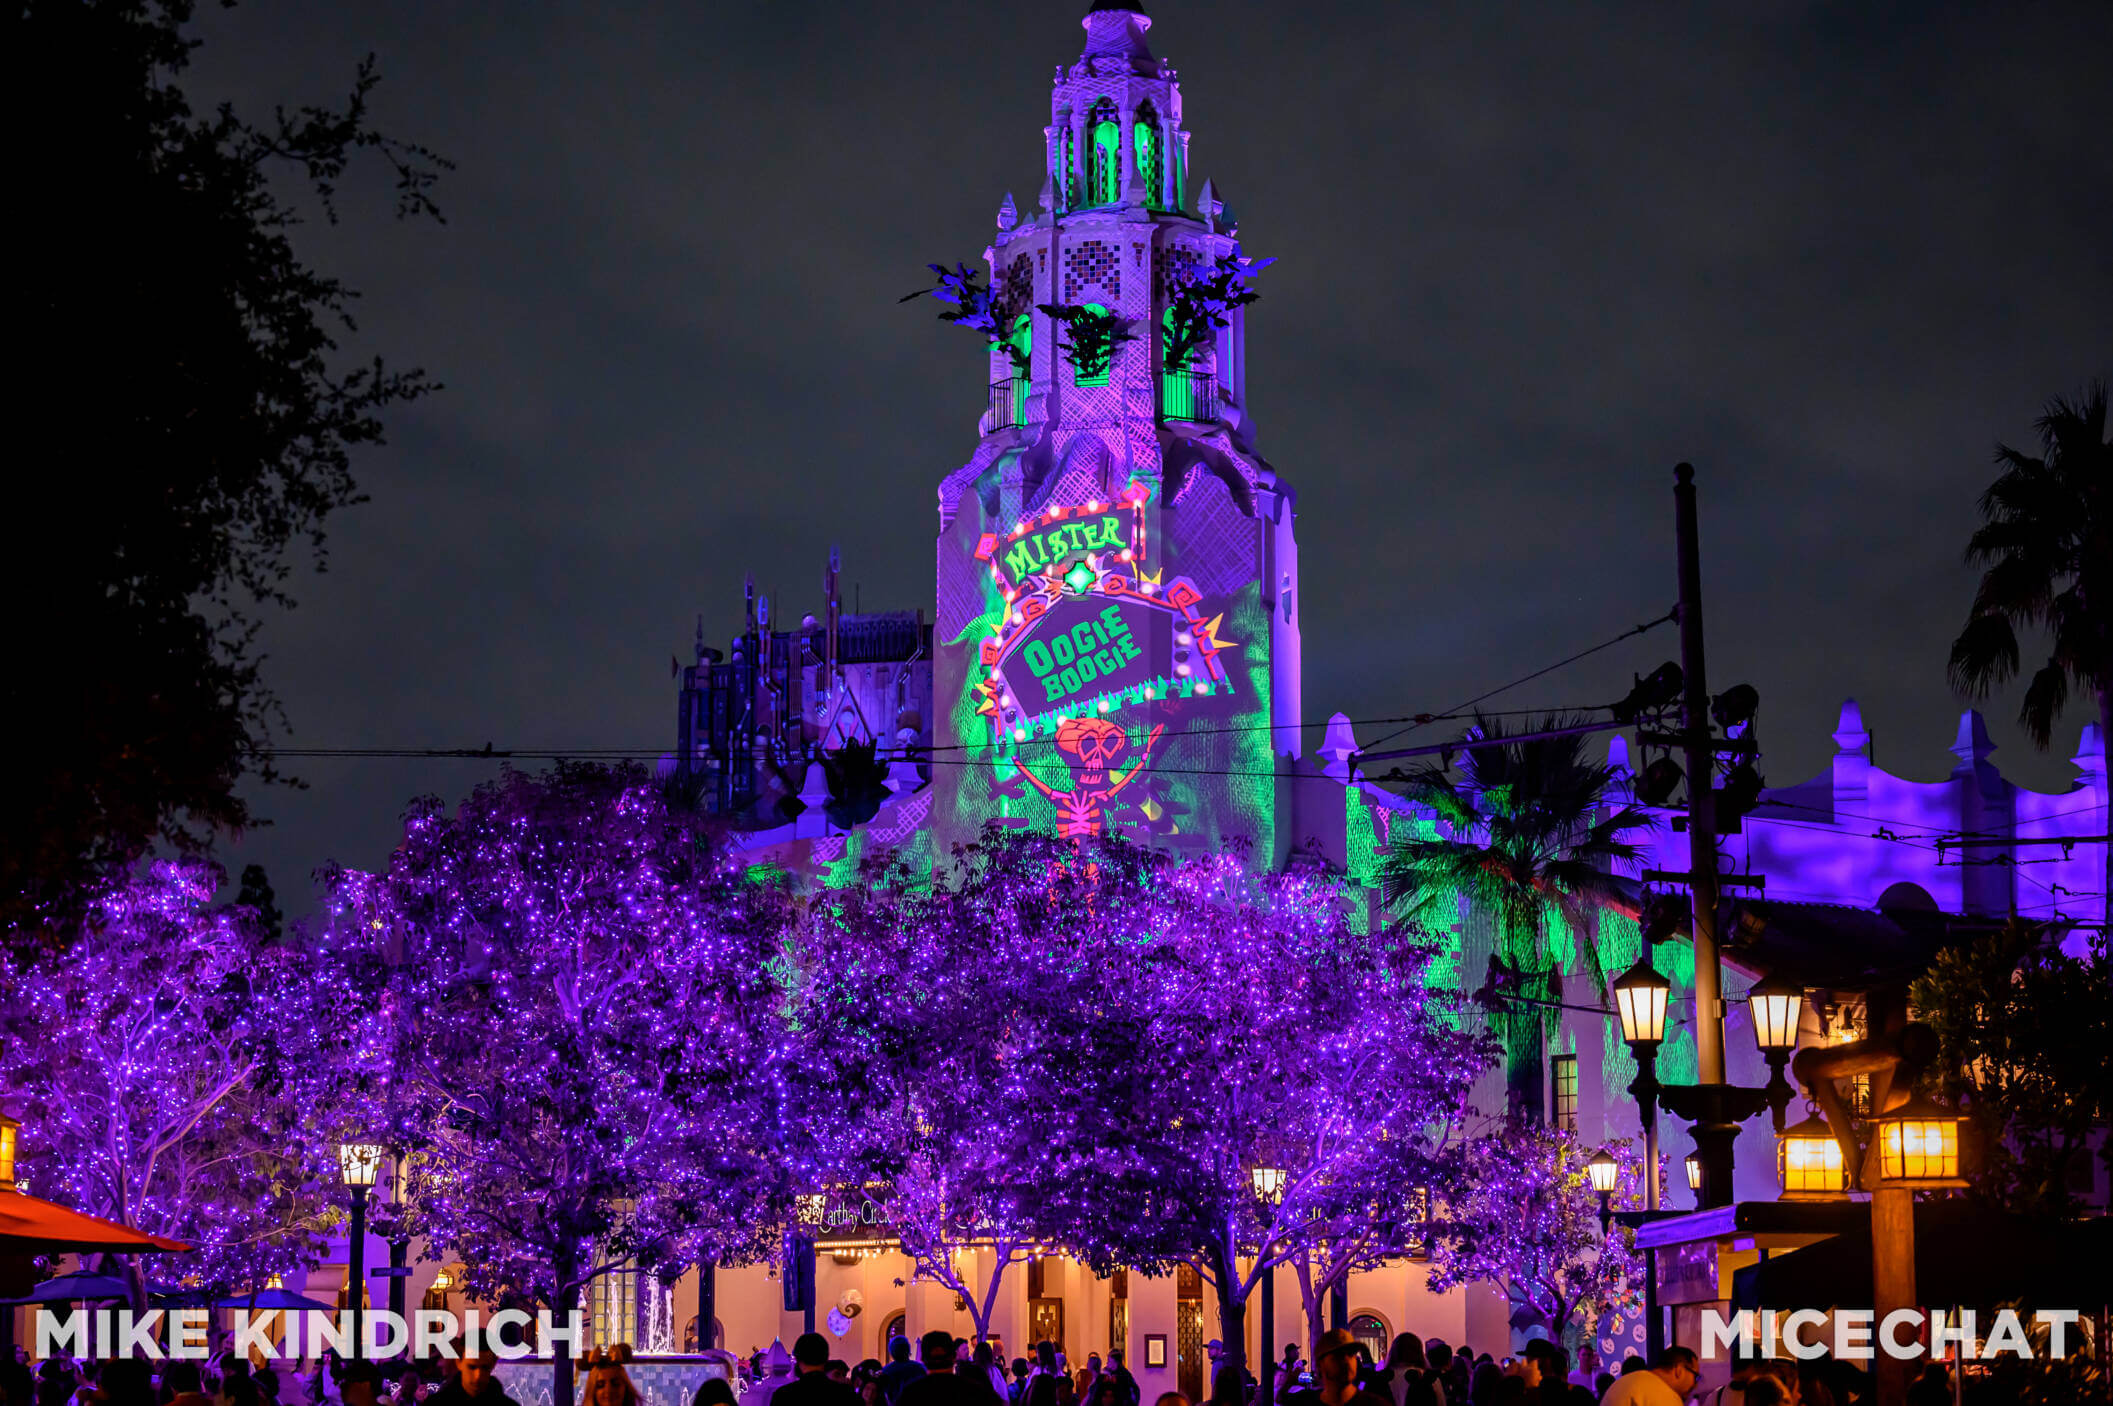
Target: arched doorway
x: 891, y: 1330
x: 1372, y: 1332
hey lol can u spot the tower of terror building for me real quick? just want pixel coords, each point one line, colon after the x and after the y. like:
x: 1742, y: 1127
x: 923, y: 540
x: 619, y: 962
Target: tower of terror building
x: 1116, y: 643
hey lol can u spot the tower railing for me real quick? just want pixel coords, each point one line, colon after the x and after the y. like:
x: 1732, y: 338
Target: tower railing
x: 1188, y: 395
x: 1008, y: 403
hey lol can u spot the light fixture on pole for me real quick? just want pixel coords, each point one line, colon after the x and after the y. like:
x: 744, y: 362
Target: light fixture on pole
x: 1640, y: 999
x: 1604, y: 1172
x: 1693, y: 1163
x: 359, y: 1163
x: 1809, y: 1162
x: 1778, y: 1006
x: 1918, y: 1145
x: 1269, y: 1183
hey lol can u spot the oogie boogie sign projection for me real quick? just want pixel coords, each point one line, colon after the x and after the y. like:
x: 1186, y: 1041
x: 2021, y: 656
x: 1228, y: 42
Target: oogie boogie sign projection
x: 1088, y: 634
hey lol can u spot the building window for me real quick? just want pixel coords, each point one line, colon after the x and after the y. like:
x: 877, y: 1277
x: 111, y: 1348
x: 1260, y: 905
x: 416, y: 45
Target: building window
x: 1563, y: 1079
x: 1104, y: 184
x: 1068, y: 176
x: 1144, y: 143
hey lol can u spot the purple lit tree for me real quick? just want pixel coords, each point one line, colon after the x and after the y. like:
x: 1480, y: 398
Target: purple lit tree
x: 161, y: 1065
x: 932, y: 999
x: 1207, y: 1021
x: 1525, y: 1217
x: 629, y: 1118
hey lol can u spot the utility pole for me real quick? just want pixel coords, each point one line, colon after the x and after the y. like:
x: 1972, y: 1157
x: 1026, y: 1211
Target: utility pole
x: 1701, y: 805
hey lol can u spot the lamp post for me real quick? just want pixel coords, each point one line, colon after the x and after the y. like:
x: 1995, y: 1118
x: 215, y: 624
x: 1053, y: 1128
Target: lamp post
x: 1269, y: 1189
x: 358, y: 1165
x: 1604, y: 1171
x: 1640, y: 998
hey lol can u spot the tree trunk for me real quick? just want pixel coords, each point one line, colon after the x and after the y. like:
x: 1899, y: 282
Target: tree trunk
x: 1232, y: 1332
x: 565, y: 1267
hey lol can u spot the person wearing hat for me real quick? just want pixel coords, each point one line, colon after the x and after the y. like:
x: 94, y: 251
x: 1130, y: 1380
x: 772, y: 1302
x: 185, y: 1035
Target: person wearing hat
x: 1337, y: 1358
x: 812, y: 1387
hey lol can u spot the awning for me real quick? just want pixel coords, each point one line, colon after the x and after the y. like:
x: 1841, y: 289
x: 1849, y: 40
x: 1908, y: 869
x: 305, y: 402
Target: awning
x: 79, y: 1285
x: 1964, y: 1257
x: 29, y: 1225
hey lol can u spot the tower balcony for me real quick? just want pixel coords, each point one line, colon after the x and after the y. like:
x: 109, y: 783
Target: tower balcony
x: 1008, y: 404
x: 1188, y: 395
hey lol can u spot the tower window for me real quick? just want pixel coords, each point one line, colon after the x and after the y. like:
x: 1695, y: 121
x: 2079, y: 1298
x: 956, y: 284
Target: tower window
x: 1562, y: 1072
x: 1104, y: 184
x: 1144, y: 142
x: 1102, y: 378
x: 1068, y: 175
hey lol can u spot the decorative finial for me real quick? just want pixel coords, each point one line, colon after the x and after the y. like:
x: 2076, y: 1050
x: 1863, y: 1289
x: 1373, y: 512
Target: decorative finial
x: 1209, y: 206
x: 1008, y: 213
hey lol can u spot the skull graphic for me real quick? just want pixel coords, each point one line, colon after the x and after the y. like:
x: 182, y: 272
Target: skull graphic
x: 1092, y: 745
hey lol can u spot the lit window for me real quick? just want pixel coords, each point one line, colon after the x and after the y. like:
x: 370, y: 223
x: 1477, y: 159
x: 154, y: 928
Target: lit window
x: 1564, y: 1081
x: 1144, y: 142
x: 1104, y: 185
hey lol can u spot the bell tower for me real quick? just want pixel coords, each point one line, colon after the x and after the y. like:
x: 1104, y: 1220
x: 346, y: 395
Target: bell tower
x: 1117, y: 641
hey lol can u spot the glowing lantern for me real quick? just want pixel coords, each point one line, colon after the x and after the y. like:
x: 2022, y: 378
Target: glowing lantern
x: 1777, y: 1006
x: 1604, y: 1171
x: 1640, y: 995
x: 1918, y: 1143
x: 1809, y: 1162
x: 1694, y: 1171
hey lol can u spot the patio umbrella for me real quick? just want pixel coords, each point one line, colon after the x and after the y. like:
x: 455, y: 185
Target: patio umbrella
x: 268, y: 1300
x: 80, y: 1284
x: 31, y: 1225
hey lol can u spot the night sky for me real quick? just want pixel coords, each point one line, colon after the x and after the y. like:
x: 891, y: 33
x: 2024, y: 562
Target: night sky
x: 1530, y: 256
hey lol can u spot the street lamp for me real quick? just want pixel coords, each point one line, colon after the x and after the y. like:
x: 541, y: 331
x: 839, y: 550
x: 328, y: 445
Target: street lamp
x: 1693, y: 1163
x: 1640, y: 998
x: 1777, y: 1006
x: 1604, y: 1172
x: 359, y: 1163
x: 1809, y: 1162
x: 1918, y: 1144
x: 1269, y: 1186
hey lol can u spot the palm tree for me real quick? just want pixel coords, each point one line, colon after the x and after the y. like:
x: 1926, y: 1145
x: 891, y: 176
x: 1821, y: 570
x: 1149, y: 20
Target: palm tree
x: 2046, y: 542
x: 1526, y: 832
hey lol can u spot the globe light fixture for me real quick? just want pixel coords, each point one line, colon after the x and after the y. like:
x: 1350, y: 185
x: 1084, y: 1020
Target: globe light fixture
x: 1270, y: 1183
x: 1640, y: 997
x: 1809, y: 1162
x: 1604, y: 1172
x: 1777, y: 1007
x: 359, y: 1163
x: 1918, y: 1144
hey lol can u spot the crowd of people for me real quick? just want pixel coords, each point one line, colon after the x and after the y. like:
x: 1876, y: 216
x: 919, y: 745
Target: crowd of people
x: 946, y: 1371
x: 229, y: 1379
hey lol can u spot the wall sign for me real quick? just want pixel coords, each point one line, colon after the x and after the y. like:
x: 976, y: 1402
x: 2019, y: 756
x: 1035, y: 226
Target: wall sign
x: 1089, y: 632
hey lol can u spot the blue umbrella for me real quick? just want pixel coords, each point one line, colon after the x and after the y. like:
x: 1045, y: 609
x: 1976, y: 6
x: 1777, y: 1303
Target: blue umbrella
x: 80, y: 1284
x: 272, y: 1299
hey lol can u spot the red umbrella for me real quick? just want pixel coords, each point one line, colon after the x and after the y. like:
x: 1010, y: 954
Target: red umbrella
x: 31, y: 1226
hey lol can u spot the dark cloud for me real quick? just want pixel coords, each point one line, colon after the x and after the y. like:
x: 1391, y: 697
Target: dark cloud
x: 1531, y: 255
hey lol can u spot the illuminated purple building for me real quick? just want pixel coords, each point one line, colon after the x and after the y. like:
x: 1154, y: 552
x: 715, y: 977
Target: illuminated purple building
x: 1114, y: 647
